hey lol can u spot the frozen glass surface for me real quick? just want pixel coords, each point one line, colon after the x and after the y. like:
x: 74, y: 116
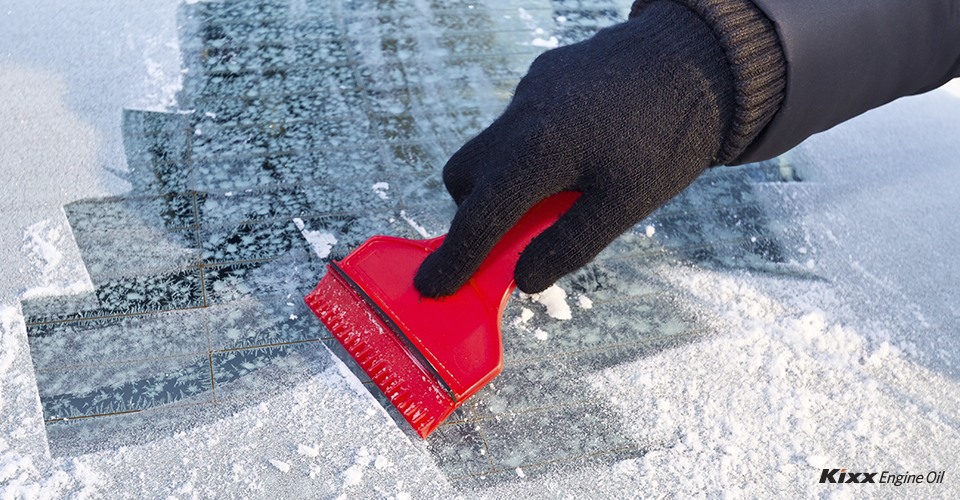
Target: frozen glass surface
x: 123, y: 387
x: 459, y: 449
x: 553, y: 433
x: 107, y: 254
x: 252, y: 324
x: 262, y: 371
x: 118, y: 339
x: 334, y: 119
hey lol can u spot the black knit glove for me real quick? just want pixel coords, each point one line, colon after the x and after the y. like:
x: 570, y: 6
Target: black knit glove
x: 628, y: 118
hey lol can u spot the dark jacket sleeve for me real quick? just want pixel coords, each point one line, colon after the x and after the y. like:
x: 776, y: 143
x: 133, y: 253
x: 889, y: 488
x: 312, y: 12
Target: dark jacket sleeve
x: 847, y: 57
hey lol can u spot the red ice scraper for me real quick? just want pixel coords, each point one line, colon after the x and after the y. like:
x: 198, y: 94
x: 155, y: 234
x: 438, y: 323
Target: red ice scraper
x: 428, y: 356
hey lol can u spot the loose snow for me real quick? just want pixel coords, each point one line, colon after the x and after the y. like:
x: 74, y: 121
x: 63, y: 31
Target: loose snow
x: 280, y: 465
x: 584, y: 302
x: 381, y: 189
x: 320, y: 242
x: 550, y: 43
x: 353, y: 476
x: 555, y: 300
x: 531, y: 24
x: 416, y: 227
x: 308, y: 451
x: 525, y: 315
x: 45, y: 242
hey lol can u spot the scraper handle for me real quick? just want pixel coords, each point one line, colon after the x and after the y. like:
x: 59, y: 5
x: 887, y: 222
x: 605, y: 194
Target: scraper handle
x: 494, y: 278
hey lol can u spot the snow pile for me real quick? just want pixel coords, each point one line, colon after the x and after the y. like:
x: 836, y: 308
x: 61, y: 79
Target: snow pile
x: 783, y: 393
x: 25, y: 469
x: 779, y: 393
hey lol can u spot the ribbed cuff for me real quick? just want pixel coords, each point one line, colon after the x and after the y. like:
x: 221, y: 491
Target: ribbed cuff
x: 756, y: 60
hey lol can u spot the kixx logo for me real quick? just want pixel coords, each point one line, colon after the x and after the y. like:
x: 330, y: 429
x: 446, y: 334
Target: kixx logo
x: 831, y: 476
x: 885, y: 477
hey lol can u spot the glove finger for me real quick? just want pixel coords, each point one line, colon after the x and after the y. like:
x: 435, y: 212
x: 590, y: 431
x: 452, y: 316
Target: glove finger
x: 483, y: 217
x: 572, y: 242
x: 462, y: 170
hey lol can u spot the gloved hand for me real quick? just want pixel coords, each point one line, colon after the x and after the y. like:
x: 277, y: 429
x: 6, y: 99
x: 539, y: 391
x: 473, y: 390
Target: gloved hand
x: 628, y: 118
